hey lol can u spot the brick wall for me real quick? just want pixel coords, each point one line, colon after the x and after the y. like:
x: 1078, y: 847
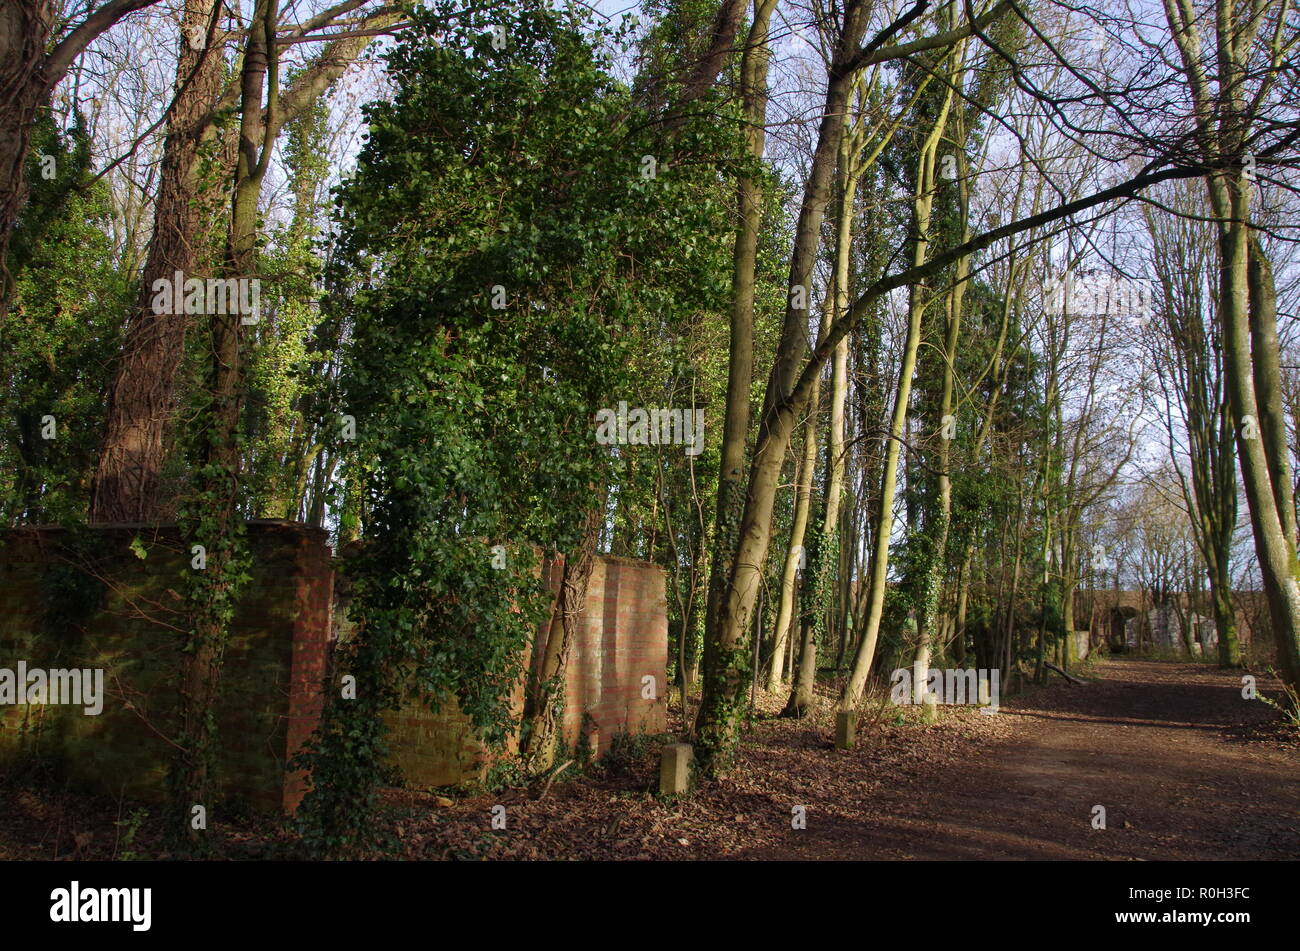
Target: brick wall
x: 123, y: 618
x: 92, y: 602
x: 622, y: 637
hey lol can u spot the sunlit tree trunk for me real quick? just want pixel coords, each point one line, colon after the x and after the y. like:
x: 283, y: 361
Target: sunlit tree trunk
x: 826, y: 551
x: 736, y: 586
x: 922, y: 205
x: 794, y: 555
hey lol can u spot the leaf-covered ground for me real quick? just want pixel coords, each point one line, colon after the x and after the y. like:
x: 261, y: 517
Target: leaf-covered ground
x: 1183, y: 766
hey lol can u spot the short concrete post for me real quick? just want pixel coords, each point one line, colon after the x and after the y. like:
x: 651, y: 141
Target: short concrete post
x: 929, y: 708
x: 846, y: 728
x: 675, y: 768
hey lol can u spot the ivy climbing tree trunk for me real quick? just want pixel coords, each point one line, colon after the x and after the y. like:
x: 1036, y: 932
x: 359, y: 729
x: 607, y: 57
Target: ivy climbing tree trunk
x: 740, y: 366
x: 545, y: 709
x: 825, y: 550
x: 918, y: 293
x: 927, y: 621
x: 735, y: 587
x: 198, y: 162
x: 126, y: 482
x: 211, y: 514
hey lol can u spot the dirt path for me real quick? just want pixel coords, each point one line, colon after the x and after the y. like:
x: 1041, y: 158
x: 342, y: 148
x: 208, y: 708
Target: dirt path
x: 1172, y: 752
x: 1185, y: 768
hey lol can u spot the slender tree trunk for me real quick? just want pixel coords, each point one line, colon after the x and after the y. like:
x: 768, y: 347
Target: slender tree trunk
x: 794, y: 556
x: 546, y: 707
x: 826, y: 550
x: 740, y: 367
x: 736, y: 584
x: 963, y: 601
x: 216, y: 481
x: 805, y: 660
x: 928, y: 617
x: 1043, y: 597
x: 1225, y: 618
x: 922, y: 204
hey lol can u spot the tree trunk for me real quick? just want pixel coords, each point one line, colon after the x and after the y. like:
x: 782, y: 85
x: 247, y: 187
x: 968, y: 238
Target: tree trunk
x: 141, y: 400
x: 546, y: 706
x: 25, y: 28
x: 922, y: 204
x: 215, y: 515
x: 1230, y: 195
x: 195, y: 170
x: 725, y: 660
x: 826, y: 550
x: 805, y: 665
x: 794, y: 555
x: 1267, y: 371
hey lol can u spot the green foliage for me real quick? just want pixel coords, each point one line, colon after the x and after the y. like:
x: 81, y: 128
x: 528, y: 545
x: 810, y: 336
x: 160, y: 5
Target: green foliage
x: 822, y: 557
x: 501, y: 256
x: 128, y: 829
x: 292, y: 359
x: 628, y: 752
x: 61, y: 335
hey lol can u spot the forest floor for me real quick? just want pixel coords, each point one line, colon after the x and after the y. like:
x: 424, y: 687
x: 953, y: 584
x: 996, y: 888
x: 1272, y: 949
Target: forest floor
x: 1184, y: 767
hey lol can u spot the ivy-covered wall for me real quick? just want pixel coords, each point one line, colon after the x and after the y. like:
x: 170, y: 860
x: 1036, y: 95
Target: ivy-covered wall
x: 622, y: 638
x: 109, y: 598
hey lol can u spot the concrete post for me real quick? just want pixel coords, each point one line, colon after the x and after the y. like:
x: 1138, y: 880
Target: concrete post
x: 675, y: 768
x: 846, y: 728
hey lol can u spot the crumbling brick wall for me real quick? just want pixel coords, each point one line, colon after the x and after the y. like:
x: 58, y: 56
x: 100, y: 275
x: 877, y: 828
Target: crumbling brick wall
x: 89, y: 600
x: 94, y: 602
x: 621, y: 639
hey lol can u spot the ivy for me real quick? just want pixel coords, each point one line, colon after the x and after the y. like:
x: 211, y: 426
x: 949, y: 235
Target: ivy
x: 501, y: 267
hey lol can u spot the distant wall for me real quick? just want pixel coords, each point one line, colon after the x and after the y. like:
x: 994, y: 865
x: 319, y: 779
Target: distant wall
x: 1119, y: 616
x: 95, y: 603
